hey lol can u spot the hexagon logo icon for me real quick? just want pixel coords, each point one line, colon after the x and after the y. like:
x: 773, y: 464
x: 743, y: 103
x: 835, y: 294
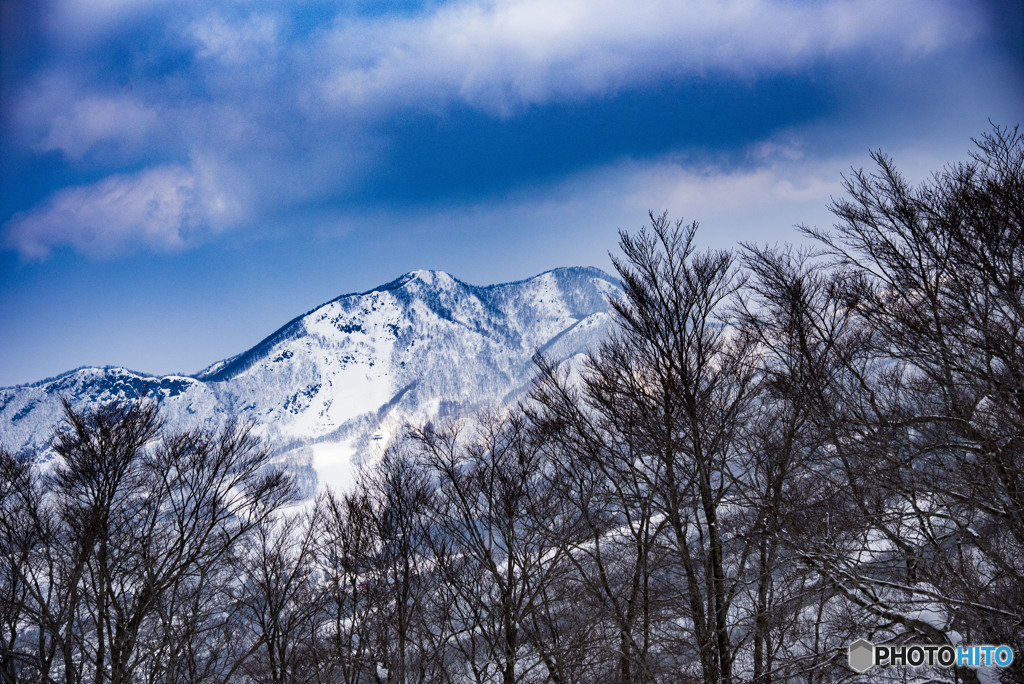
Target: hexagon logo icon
x: 862, y: 655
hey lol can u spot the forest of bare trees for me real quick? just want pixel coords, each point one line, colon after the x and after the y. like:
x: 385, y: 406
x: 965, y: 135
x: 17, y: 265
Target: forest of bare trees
x: 778, y: 451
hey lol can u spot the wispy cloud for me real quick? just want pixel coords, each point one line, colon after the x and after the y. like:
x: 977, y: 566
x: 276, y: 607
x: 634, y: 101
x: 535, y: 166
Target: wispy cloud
x: 79, y: 23
x: 161, y: 209
x: 507, y: 54
x: 259, y: 109
x: 93, y: 120
x: 236, y: 42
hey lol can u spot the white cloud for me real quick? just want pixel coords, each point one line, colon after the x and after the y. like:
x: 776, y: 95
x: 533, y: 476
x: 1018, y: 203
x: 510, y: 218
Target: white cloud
x: 236, y: 42
x: 250, y: 115
x: 97, y: 119
x: 575, y: 221
x: 505, y: 54
x: 706, y: 193
x: 161, y: 209
x: 78, y: 22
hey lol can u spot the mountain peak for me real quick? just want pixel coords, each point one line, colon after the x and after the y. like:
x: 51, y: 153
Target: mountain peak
x: 430, y: 277
x: 426, y: 276
x: 422, y: 347
x: 425, y: 273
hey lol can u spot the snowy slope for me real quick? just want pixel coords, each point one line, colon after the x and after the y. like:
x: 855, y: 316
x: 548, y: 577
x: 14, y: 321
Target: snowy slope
x: 333, y: 385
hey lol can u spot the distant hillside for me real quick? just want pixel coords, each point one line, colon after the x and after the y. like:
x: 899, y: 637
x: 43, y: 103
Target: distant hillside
x: 337, y: 383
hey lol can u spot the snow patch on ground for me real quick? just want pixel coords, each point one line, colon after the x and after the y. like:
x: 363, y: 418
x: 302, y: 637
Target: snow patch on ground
x: 334, y: 465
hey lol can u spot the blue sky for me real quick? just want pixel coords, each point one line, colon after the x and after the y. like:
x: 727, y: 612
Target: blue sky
x: 178, y: 179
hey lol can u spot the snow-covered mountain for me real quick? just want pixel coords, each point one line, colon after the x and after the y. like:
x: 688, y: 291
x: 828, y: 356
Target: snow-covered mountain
x: 334, y: 385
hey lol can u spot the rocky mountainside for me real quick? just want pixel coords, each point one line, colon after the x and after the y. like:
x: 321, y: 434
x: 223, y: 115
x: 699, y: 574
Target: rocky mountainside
x: 334, y: 385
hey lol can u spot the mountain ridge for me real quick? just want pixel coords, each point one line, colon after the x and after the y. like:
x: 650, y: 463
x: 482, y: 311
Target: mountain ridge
x: 425, y: 345
x: 216, y: 371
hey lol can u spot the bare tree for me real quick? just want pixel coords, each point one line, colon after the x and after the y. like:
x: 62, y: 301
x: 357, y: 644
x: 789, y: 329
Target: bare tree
x: 689, y: 385
x: 409, y: 645
x: 939, y: 418
x: 491, y: 516
x: 346, y: 556
x: 607, y: 492
x: 20, y: 540
x: 127, y: 525
x: 282, y: 601
x: 796, y: 310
